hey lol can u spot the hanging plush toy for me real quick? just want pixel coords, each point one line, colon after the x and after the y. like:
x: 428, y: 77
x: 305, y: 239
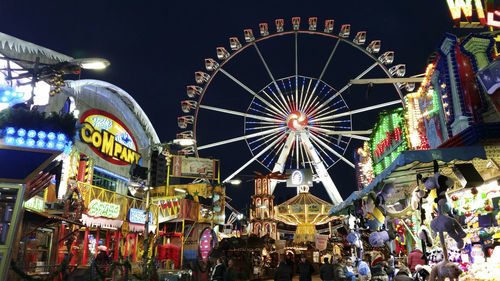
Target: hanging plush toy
x: 378, y: 238
x: 400, y: 238
x: 386, y: 192
x: 441, y: 184
x: 416, y: 196
x: 424, y: 234
x: 444, y: 223
x: 354, y: 238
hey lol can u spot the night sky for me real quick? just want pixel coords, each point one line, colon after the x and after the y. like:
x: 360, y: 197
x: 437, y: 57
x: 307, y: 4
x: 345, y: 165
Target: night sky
x: 156, y: 46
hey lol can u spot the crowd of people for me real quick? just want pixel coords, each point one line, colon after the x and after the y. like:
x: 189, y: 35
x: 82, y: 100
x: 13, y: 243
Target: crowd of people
x: 333, y: 268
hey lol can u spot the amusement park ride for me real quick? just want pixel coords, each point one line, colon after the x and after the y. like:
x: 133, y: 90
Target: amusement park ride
x: 297, y: 120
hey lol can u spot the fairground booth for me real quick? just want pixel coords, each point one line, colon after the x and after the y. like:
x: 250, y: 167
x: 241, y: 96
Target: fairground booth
x: 428, y: 178
x: 67, y: 148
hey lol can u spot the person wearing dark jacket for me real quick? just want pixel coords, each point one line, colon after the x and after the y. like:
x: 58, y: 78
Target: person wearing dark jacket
x: 305, y: 269
x: 218, y: 271
x: 326, y: 271
x: 231, y: 274
x: 283, y: 272
x: 415, y: 258
x: 379, y: 273
x: 403, y: 275
x: 339, y: 271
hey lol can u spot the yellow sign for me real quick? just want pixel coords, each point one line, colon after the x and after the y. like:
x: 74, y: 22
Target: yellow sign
x: 486, y: 18
x: 108, y: 137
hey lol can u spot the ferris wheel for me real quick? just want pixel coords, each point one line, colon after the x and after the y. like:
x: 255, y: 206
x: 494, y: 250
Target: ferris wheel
x: 297, y: 121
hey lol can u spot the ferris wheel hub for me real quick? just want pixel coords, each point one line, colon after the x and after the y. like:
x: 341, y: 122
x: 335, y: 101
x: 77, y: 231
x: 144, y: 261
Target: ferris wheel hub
x: 297, y: 120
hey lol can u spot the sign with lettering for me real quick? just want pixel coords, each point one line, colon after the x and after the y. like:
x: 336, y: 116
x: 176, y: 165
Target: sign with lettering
x: 108, y: 137
x: 35, y: 204
x: 486, y: 17
x: 388, y: 139
x: 139, y: 216
x: 103, y: 209
x: 193, y: 167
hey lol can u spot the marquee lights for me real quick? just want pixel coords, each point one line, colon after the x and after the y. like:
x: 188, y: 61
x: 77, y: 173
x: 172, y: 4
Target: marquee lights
x: 103, y: 209
x: 388, y: 139
x: 458, y: 6
x: 33, y: 139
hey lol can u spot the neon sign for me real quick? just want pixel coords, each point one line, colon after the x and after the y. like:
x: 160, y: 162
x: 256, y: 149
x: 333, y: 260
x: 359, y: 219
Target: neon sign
x: 35, y: 203
x: 388, y: 139
x: 458, y: 6
x: 139, y: 216
x: 109, y: 138
x: 103, y: 209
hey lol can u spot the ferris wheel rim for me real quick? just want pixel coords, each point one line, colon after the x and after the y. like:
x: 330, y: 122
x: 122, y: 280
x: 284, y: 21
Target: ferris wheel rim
x: 275, y: 35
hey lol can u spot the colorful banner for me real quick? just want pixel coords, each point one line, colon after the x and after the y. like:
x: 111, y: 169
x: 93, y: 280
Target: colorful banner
x: 321, y: 241
x: 108, y: 137
x: 103, y: 209
x: 193, y: 167
x: 138, y: 216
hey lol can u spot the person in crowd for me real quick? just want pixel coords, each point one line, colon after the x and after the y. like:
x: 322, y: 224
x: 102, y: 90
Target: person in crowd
x: 231, y: 273
x: 349, y: 270
x: 289, y: 262
x: 414, y: 259
x: 218, y: 271
x: 339, y: 270
x: 403, y: 274
x: 378, y: 270
x: 102, y: 259
x: 305, y: 269
x: 326, y: 270
x: 283, y: 272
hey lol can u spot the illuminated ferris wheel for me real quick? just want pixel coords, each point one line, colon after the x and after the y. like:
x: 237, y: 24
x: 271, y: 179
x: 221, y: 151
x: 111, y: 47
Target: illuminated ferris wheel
x: 293, y: 121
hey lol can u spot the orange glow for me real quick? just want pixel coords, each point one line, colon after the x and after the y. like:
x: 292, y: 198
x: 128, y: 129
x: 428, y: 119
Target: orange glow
x: 457, y: 6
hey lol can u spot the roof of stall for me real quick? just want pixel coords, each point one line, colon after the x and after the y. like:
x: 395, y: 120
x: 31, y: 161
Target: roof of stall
x: 304, y: 198
x: 26, y: 53
x: 403, y: 171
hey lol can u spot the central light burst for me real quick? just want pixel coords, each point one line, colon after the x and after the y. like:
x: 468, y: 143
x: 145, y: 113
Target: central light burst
x: 297, y: 120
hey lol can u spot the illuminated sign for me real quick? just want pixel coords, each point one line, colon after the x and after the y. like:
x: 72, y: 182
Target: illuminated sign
x: 299, y: 177
x: 388, y: 139
x: 103, y: 209
x: 108, y: 137
x: 458, y: 6
x: 35, y: 204
x: 139, y: 216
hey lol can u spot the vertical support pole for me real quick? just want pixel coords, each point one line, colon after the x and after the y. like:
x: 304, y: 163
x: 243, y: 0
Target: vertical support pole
x: 86, y: 247
x: 126, y: 246
x: 107, y: 241
x: 117, y: 245
x: 97, y: 242
x: 134, y: 253
x: 182, y: 244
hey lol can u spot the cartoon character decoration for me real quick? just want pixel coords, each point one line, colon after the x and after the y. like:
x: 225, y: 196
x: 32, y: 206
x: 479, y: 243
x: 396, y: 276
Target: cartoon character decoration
x: 400, y: 237
x: 435, y: 255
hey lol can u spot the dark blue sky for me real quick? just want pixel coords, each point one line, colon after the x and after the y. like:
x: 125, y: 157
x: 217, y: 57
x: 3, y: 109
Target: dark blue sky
x: 156, y: 46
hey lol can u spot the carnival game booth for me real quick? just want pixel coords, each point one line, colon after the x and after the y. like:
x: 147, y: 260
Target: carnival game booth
x: 419, y: 159
x: 113, y: 133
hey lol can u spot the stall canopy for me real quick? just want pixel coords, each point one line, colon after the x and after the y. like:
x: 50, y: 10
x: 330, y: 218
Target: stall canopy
x: 410, y: 163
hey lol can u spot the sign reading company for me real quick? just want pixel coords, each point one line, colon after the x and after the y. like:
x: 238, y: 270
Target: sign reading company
x: 108, y: 137
x: 138, y: 216
x: 103, y: 209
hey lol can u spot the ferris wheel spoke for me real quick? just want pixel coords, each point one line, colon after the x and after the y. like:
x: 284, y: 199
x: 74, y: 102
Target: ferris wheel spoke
x: 275, y: 141
x: 344, y: 88
x: 277, y: 111
x: 323, y: 151
x: 279, y: 166
x: 328, y: 116
x: 321, y: 170
x: 297, y: 148
x: 265, y: 133
x: 331, y: 150
x: 351, y: 134
x: 271, y: 75
x: 328, y: 61
x: 278, y: 103
x: 263, y: 118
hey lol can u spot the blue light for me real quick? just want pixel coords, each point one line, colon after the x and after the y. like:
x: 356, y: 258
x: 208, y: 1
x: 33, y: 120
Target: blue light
x: 4, y: 99
x: 31, y: 133
x: 10, y: 130
x: 9, y: 140
x: 7, y: 93
x: 40, y: 143
x: 21, y: 95
x: 61, y: 137
x: 59, y: 145
x: 20, y: 141
x: 41, y: 135
x: 50, y: 144
x: 30, y: 142
x: 21, y: 132
x: 51, y: 136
